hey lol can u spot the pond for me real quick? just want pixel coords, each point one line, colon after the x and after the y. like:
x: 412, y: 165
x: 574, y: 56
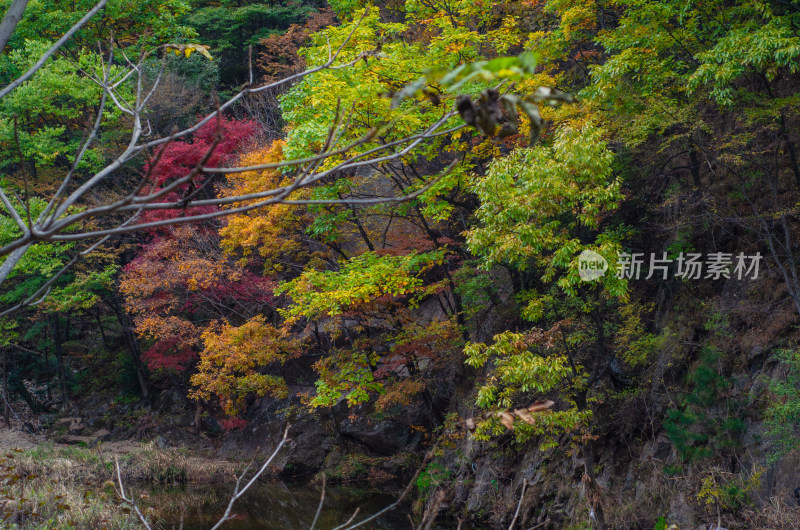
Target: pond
x: 270, y: 505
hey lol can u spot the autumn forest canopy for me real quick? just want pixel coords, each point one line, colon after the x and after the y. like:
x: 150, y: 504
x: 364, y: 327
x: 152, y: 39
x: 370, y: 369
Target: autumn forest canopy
x: 555, y: 242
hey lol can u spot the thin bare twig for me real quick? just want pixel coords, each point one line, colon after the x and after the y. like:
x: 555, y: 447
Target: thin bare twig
x: 237, y: 492
x: 519, y: 504
x: 129, y: 500
x: 396, y: 503
x: 319, y: 508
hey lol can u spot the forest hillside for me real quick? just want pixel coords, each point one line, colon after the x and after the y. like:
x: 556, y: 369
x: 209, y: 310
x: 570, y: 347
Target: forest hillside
x: 506, y: 263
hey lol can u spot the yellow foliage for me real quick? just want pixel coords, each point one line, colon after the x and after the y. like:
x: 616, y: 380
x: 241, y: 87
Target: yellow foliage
x: 232, y: 358
x: 269, y: 230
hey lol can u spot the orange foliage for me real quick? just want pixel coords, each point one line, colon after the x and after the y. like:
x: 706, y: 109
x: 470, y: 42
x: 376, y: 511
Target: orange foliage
x: 232, y: 357
x: 272, y: 230
x: 401, y: 392
x: 174, y: 280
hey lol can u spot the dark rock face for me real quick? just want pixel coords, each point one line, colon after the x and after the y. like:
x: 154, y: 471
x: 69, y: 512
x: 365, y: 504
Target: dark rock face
x: 310, y: 436
x: 210, y: 426
x: 173, y: 401
x: 385, y: 438
x: 313, y: 435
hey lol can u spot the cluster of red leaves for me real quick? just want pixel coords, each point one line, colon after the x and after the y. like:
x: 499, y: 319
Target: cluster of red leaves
x: 169, y: 354
x: 176, y: 284
x: 180, y: 280
x: 215, y: 143
x: 233, y: 424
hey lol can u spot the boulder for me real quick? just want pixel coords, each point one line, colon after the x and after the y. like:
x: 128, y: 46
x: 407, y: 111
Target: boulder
x: 385, y: 438
x: 102, y: 435
x: 162, y: 442
x: 210, y: 426
x: 70, y: 425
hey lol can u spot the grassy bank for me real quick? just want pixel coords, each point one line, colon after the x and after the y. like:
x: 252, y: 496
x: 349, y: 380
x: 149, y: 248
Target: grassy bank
x: 55, y: 486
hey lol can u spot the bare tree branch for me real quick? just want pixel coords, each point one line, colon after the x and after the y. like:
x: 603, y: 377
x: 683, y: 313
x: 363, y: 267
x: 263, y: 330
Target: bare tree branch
x: 222, y: 213
x: 519, y: 504
x: 57, y: 222
x: 396, y: 503
x: 79, y: 157
x: 11, y: 261
x: 10, y: 20
x: 273, y: 196
x: 12, y: 212
x: 129, y: 500
x: 53, y: 49
x: 29, y: 302
x: 321, y: 502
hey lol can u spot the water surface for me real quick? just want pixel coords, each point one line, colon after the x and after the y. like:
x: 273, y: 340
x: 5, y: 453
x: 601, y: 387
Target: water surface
x: 271, y: 505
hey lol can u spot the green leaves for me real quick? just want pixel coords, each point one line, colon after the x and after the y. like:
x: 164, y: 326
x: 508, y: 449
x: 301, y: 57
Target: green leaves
x: 516, y: 367
x: 492, y: 71
x: 486, y: 112
x: 540, y: 207
x: 522, y: 368
x: 41, y: 260
x: 360, y: 280
x: 8, y: 332
x: 133, y: 22
x: 83, y: 292
x: 753, y: 46
x: 783, y: 413
x: 535, y: 202
x: 345, y: 375
x: 48, y: 113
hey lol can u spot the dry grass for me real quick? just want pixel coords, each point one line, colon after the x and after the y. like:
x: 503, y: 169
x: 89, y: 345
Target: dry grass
x: 43, y: 491
x: 52, y: 486
x: 775, y: 515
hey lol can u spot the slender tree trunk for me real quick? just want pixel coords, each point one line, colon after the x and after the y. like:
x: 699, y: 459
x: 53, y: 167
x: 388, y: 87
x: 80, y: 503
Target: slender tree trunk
x: 133, y: 346
x: 47, y: 374
x: 6, y: 406
x: 592, y: 490
x: 102, y: 329
x: 62, y: 377
x: 362, y: 231
x: 459, y: 308
x: 198, y: 410
x: 694, y: 166
x: 30, y: 399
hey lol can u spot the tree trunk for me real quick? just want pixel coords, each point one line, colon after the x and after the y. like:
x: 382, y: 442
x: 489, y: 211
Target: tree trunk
x: 62, y: 377
x: 102, y: 329
x: 6, y: 406
x: 593, y: 495
x: 133, y: 346
x: 47, y: 374
x: 694, y: 166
